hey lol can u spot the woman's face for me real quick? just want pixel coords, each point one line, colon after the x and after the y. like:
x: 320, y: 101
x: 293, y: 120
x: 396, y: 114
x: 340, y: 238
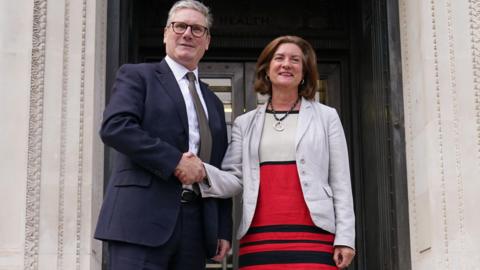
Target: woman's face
x: 286, y: 68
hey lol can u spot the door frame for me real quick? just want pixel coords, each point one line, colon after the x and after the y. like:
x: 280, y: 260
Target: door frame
x: 377, y: 126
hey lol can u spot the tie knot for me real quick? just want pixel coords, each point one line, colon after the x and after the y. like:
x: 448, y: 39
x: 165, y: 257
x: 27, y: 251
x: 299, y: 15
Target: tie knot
x: 191, y: 76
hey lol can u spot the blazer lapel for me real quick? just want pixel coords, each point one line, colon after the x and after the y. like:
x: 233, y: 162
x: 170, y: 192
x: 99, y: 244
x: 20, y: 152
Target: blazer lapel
x: 256, y: 134
x: 170, y: 85
x: 304, y: 118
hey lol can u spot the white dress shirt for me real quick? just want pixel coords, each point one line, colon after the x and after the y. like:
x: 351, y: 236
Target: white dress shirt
x: 180, y: 72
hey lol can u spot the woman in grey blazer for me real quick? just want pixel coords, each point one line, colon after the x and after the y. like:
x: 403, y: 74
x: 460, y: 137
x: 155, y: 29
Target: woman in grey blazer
x: 290, y: 159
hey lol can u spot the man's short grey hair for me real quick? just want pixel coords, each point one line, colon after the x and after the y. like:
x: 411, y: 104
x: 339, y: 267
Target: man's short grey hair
x: 191, y: 4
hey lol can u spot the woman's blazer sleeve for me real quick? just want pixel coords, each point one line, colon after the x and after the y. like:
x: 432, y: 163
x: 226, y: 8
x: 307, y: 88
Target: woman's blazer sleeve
x: 227, y: 182
x: 339, y: 180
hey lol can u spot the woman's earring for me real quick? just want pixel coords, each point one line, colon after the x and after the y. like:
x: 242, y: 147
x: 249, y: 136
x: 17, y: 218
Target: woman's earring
x: 302, y: 82
x: 267, y: 78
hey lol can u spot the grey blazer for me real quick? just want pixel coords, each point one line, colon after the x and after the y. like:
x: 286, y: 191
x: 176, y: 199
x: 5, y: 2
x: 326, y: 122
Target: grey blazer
x: 322, y: 162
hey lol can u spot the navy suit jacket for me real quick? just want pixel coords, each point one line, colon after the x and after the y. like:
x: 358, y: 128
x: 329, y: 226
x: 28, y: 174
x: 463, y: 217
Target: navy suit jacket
x: 146, y: 122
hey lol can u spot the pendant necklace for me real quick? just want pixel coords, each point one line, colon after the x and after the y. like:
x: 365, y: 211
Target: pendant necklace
x: 278, y: 126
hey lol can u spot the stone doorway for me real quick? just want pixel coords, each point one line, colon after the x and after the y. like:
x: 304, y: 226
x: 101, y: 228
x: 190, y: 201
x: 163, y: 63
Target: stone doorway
x: 357, y: 44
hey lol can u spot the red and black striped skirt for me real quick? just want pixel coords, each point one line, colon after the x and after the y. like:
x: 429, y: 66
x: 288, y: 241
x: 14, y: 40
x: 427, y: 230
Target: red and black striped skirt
x: 282, y: 234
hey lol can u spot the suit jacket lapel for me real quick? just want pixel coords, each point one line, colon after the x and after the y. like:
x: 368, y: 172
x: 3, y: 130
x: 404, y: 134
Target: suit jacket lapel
x: 304, y: 118
x: 170, y: 85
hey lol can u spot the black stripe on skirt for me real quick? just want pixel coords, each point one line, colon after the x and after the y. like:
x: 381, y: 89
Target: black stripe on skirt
x: 285, y: 257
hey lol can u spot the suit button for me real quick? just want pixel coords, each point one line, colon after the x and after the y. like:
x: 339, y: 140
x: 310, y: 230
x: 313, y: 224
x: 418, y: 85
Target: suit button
x: 305, y: 184
x: 302, y: 161
x: 302, y: 173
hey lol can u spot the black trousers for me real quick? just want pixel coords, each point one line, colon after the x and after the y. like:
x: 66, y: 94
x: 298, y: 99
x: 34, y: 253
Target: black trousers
x: 185, y: 250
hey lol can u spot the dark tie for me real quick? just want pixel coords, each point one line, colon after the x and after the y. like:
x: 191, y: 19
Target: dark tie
x: 205, y: 147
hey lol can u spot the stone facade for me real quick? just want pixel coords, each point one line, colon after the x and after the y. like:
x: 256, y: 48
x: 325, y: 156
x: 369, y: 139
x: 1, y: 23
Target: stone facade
x: 52, y: 92
x: 52, y: 96
x: 441, y: 86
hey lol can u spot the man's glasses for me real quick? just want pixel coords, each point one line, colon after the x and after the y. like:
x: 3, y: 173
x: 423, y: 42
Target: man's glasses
x: 196, y: 29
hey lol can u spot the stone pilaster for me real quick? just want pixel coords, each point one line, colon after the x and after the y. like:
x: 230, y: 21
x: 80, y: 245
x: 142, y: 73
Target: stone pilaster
x: 52, y: 101
x: 440, y: 51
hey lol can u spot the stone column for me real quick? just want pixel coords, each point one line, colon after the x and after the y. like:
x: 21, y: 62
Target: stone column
x: 441, y: 81
x: 52, y: 79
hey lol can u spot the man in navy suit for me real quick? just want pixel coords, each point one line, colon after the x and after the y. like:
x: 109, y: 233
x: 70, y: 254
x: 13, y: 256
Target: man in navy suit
x: 151, y: 219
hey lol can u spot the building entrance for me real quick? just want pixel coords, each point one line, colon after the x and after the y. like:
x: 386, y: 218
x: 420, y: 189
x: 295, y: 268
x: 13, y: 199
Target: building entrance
x: 357, y: 44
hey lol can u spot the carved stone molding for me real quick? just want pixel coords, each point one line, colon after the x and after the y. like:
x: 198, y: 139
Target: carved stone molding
x: 474, y: 11
x: 35, y: 134
x: 81, y: 137
x: 408, y: 93
x: 63, y: 134
x: 456, y: 128
x: 440, y: 135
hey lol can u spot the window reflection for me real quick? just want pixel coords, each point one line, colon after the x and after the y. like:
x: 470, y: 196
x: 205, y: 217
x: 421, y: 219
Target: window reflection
x: 321, y: 94
x: 222, y: 87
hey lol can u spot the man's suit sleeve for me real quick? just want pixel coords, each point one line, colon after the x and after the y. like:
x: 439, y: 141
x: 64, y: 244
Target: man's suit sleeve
x: 225, y: 222
x: 121, y: 128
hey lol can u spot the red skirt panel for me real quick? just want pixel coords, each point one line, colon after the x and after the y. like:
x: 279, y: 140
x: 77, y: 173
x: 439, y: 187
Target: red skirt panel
x: 282, y: 234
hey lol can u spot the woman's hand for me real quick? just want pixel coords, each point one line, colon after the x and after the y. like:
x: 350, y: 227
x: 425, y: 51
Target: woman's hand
x: 343, y: 256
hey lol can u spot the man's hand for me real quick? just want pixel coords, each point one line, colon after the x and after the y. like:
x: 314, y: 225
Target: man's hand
x: 190, y: 169
x: 343, y: 255
x: 223, y: 246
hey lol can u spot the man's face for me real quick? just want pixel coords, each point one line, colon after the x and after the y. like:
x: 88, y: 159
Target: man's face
x: 185, y: 48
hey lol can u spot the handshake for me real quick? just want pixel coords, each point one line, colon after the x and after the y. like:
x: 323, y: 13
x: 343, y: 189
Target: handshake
x: 190, y: 169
